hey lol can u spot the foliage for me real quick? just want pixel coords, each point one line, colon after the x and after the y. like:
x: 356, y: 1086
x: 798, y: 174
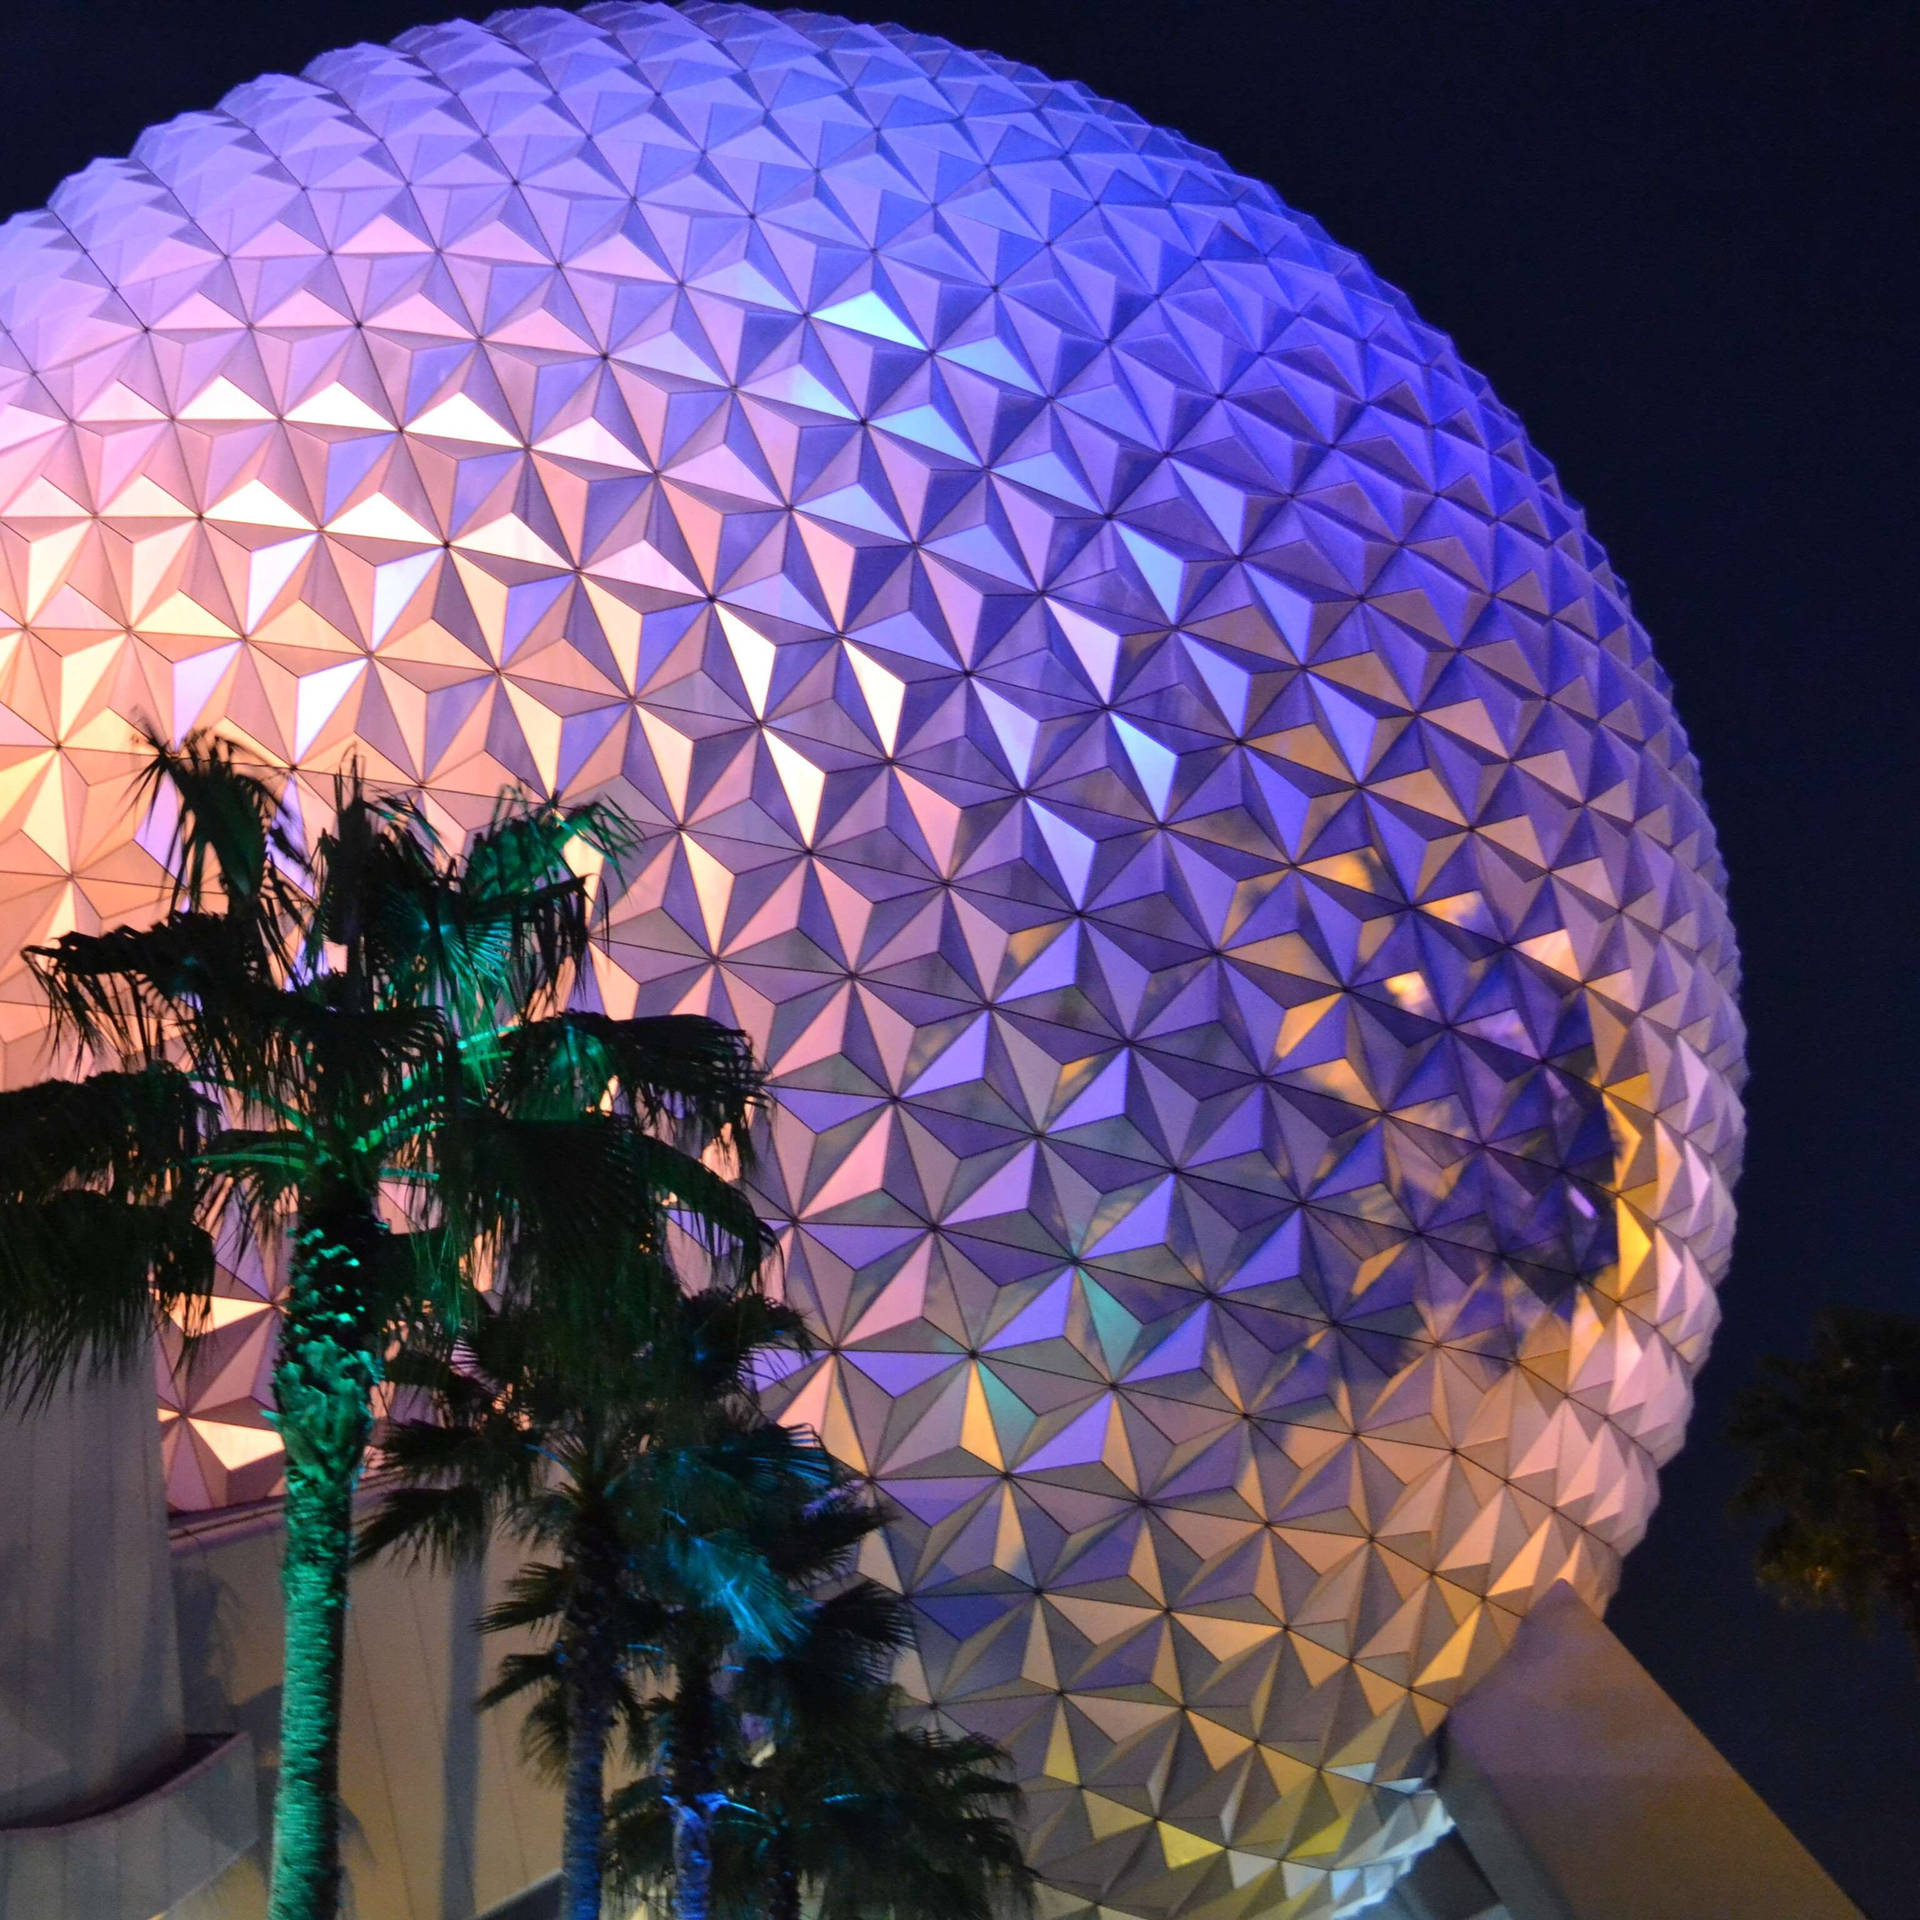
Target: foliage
x: 872, y: 1818
x: 100, y: 1225
x: 824, y: 1788
x: 373, y: 1054
x: 690, y: 1582
x: 1834, y: 1442
x: 652, y: 1506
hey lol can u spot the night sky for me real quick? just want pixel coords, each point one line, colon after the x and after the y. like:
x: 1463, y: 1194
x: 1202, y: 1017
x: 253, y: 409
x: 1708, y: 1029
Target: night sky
x: 1679, y: 238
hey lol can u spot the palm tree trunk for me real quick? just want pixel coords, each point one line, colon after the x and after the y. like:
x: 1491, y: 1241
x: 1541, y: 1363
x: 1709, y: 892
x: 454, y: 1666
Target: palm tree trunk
x: 322, y: 1386
x: 692, y: 1775
x: 584, y: 1812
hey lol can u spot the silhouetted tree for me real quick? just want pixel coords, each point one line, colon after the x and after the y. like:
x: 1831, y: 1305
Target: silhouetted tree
x: 1834, y: 1442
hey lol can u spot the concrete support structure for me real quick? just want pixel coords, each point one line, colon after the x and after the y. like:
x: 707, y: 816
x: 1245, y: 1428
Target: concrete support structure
x: 1446, y: 1884
x: 109, y: 1806
x: 1584, y: 1793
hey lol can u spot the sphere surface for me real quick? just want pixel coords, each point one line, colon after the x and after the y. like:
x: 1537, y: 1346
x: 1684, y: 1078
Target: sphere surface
x: 1121, y: 716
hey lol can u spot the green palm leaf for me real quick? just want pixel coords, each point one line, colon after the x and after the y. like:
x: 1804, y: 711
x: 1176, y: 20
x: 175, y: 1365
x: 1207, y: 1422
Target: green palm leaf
x: 676, y: 1070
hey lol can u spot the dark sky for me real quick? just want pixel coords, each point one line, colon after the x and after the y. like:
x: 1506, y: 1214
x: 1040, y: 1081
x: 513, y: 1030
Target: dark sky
x: 1679, y: 237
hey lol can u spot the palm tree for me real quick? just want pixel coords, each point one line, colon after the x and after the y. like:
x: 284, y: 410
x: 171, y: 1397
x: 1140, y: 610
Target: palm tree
x: 804, y: 1542
x: 650, y: 1495
x: 1835, y: 1448
x: 913, y: 1824
x: 822, y: 1709
x: 824, y: 1785
x: 877, y: 1819
x: 373, y: 1055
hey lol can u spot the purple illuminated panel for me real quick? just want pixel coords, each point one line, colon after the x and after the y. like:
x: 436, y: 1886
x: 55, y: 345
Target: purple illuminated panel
x: 1121, y: 715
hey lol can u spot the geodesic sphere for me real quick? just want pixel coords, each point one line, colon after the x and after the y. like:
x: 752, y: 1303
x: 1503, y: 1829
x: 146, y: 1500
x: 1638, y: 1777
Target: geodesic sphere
x: 1121, y: 716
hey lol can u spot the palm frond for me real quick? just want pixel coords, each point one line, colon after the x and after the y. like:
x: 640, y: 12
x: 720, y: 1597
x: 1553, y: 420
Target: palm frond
x: 524, y: 846
x: 135, y: 992
x: 391, y: 915
x: 100, y: 1228
x: 523, y: 903
x: 536, y: 1597
x: 439, y: 1525
x: 640, y: 1852
x: 709, y: 1353
x: 520, y: 1672
x: 256, y: 1174
x: 817, y: 1542
x: 740, y: 1473
x: 716, y: 1213
x: 918, y: 1830
x: 546, y: 1734
x: 478, y: 1466
x: 857, y: 1631
x: 562, y: 1211
x: 374, y: 863
x: 460, y: 1372
x: 686, y: 1074
x: 723, y: 1574
x: 424, y: 1275
x: 450, y: 1485
x: 85, y: 1278
x: 228, y: 827
x: 135, y: 1133
x: 640, y: 1838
